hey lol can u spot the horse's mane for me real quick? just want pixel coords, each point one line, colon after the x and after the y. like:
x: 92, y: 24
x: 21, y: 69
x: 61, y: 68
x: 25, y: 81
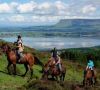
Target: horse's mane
x: 49, y: 62
x: 46, y: 64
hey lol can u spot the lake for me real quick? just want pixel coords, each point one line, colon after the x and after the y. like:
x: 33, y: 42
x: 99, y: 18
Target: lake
x: 43, y: 43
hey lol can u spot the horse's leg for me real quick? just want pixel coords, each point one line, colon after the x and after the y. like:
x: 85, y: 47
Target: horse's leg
x: 9, y: 64
x: 26, y: 67
x: 56, y: 78
x: 92, y: 81
x: 95, y: 80
x: 83, y: 82
x: 14, y: 65
x: 52, y: 76
x: 31, y: 69
x: 63, y: 78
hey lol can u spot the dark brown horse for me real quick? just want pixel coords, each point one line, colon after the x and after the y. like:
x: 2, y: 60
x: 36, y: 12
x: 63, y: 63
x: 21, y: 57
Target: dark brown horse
x: 89, y: 78
x: 28, y: 60
x: 52, y: 70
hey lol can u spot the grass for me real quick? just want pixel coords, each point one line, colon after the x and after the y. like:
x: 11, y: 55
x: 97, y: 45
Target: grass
x: 73, y: 76
x: 9, y: 81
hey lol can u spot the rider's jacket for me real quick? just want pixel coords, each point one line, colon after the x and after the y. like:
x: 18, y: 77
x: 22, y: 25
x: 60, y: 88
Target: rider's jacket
x: 90, y: 64
x: 19, y: 41
x: 54, y: 53
x: 20, y: 46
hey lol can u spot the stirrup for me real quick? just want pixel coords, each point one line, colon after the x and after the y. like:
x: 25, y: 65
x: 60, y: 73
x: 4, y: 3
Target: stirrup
x: 19, y: 60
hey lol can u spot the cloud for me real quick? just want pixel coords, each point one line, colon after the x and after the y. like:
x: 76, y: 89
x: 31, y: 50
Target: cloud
x: 35, y: 19
x: 45, y: 5
x: 44, y: 8
x: 17, y: 18
x: 45, y: 18
x: 60, y: 5
x: 13, y: 4
x: 62, y: 8
x: 26, y: 7
x: 47, y: 11
x: 31, y: 7
x: 88, y: 9
x: 5, y: 8
x: 32, y: 19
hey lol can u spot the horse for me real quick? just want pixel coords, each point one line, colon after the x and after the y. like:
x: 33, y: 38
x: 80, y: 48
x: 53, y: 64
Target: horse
x: 28, y: 60
x: 89, y: 78
x: 52, y: 70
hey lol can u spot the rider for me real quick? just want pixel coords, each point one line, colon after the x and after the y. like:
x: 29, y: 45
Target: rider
x: 57, y: 59
x: 54, y: 53
x: 19, y: 40
x: 90, y: 65
x: 20, y: 48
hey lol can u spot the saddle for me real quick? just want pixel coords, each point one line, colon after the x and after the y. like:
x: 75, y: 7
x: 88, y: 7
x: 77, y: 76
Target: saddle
x: 92, y: 71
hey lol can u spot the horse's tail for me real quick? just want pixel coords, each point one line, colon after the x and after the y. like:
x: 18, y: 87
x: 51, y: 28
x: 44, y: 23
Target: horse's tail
x: 38, y: 62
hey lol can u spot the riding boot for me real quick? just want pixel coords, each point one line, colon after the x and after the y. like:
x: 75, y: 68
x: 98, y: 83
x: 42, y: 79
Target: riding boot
x: 20, y: 59
x: 92, y: 73
x: 60, y: 68
x: 21, y: 56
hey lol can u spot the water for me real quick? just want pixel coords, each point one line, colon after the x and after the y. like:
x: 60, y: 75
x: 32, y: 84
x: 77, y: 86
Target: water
x: 42, y: 43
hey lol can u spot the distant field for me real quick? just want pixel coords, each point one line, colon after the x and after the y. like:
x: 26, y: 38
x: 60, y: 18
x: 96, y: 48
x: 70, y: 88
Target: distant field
x: 49, y: 31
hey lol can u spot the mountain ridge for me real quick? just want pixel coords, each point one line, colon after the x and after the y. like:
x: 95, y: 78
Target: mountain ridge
x: 65, y: 23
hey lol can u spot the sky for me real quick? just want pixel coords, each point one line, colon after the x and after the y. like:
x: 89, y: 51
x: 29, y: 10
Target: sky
x: 46, y: 12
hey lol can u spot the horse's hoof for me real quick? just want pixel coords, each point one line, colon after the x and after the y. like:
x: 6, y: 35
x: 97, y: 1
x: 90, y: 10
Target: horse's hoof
x: 15, y: 74
x: 30, y: 78
x: 9, y: 73
x: 23, y: 75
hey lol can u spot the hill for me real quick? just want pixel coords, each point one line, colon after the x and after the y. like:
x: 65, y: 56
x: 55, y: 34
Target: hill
x: 64, y: 28
x: 73, y: 27
x: 74, y: 75
x: 68, y: 23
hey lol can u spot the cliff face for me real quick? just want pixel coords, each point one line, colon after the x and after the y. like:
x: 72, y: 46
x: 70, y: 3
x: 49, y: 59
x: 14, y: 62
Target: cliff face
x: 78, y: 23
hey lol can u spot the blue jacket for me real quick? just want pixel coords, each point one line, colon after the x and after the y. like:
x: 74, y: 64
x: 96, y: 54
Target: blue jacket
x: 90, y: 64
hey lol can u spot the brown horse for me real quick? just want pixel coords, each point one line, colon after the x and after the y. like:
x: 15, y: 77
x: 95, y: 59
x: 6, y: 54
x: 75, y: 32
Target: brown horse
x: 28, y: 60
x: 89, y: 78
x: 52, y: 70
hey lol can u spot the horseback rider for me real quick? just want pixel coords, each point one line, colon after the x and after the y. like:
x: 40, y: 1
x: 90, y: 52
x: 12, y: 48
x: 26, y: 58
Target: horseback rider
x: 19, y: 40
x: 90, y: 65
x: 54, y: 53
x: 20, y: 48
x: 56, y: 58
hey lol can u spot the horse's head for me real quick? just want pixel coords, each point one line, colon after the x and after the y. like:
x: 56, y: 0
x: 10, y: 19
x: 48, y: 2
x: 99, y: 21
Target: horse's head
x: 45, y: 70
x: 5, y: 48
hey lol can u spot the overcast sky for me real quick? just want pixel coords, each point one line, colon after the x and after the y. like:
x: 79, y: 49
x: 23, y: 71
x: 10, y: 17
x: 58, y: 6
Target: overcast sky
x: 41, y: 12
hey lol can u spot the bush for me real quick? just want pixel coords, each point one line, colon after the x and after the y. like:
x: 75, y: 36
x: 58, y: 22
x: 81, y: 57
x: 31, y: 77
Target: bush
x: 43, y: 85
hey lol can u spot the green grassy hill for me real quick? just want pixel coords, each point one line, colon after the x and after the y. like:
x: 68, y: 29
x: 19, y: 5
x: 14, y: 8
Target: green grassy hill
x: 73, y: 77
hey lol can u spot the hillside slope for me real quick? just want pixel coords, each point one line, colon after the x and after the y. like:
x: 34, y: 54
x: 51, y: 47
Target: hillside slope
x: 74, y: 74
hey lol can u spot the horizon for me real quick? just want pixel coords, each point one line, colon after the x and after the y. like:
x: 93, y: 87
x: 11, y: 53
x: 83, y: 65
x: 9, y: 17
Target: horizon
x: 45, y: 24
